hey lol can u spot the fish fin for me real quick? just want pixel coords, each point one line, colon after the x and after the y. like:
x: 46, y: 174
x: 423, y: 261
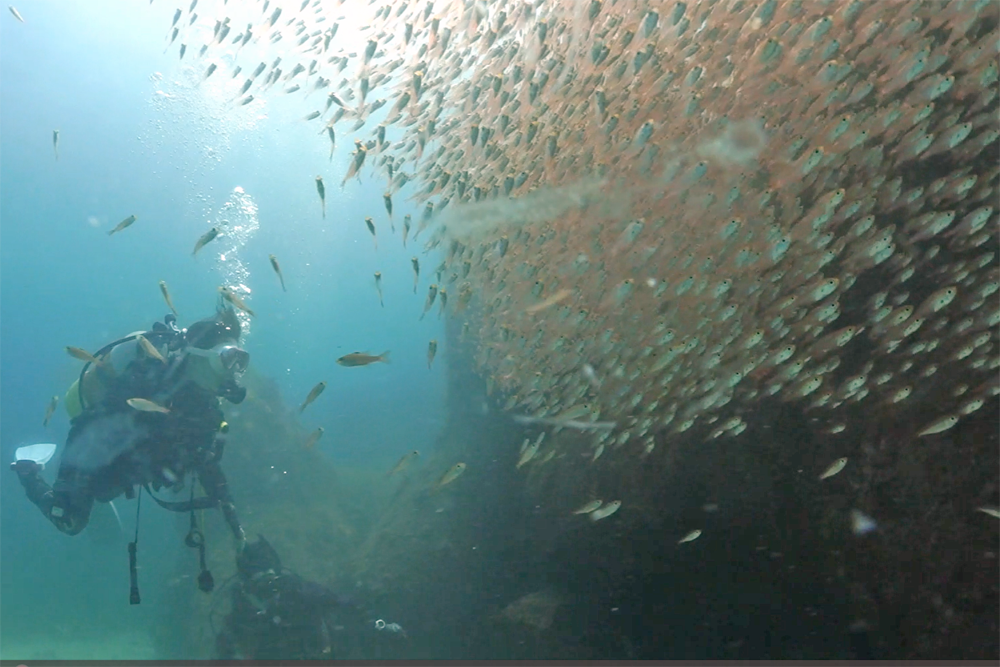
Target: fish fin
x: 384, y: 357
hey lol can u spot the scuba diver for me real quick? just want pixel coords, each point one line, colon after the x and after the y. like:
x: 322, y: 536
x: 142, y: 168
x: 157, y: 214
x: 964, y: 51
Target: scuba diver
x: 145, y: 413
x: 277, y: 614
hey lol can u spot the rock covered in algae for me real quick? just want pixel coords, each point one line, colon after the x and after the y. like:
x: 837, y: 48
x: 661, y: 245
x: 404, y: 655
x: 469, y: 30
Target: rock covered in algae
x: 535, y: 609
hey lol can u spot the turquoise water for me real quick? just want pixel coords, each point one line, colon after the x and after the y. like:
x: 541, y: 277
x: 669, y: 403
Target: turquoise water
x: 160, y: 147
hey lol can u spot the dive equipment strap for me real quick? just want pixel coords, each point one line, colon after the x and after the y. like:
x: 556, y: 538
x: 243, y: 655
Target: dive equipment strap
x: 133, y: 573
x: 203, y: 503
x: 196, y: 540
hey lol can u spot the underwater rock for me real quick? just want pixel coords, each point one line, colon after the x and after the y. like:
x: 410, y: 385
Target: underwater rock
x: 535, y: 609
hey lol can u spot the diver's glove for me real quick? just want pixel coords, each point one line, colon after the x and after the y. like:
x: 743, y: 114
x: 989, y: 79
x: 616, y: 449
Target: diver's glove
x: 25, y: 467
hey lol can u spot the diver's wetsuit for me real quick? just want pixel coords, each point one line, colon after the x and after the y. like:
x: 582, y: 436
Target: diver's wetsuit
x: 112, y: 447
x: 278, y: 615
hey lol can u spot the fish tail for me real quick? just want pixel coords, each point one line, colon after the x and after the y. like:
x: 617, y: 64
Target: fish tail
x: 384, y: 357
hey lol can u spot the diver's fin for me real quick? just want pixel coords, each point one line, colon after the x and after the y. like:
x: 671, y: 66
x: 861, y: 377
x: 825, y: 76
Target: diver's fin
x: 40, y: 453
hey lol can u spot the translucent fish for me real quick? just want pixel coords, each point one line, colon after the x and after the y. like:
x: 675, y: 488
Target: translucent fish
x: 690, y: 537
x: 606, y: 511
x: 588, y: 507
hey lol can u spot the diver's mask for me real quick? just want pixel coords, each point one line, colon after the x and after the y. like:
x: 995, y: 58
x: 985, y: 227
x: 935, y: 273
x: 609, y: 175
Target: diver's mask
x: 226, y: 359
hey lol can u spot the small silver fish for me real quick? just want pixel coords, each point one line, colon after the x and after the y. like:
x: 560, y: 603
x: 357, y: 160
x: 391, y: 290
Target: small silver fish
x: 166, y: 296
x: 313, y: 394
x: 205, y: 238
x: 123, y: 224
x: 50, y: 410
x: 605, y: 511
x: 378, y: 287
x: 277, y: 270
x: 313, y: 438
x: 145, y: 405
x: 834, y: 468
x: 690, y: 537
x: 150, y: 349
x: 566, y: 423
x: 403, y: 462
x: 450, y: 475
x: 992, y: 511
x: 528, y: 454
x: 940, y: 425
x: 589, y: 507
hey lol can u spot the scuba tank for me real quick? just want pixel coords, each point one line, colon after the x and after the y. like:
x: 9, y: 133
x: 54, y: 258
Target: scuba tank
x: 91, y: 388
x: 212, y: 369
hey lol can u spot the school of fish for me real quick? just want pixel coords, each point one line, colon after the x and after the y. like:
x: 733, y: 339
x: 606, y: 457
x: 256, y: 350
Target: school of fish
x: 652, y: 214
